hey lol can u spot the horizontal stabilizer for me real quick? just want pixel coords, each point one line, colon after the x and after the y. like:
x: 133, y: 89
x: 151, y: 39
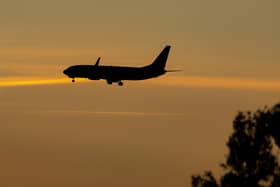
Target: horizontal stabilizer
x: 175, y: 70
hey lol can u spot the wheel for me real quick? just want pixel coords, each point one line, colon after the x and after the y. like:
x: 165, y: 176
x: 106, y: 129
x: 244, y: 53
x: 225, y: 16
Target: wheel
x: 73, y: 80
x: 120, y: 83
x: 109, y: 82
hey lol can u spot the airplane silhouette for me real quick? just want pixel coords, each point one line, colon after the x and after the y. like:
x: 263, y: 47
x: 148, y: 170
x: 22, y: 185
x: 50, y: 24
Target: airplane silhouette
x: 120, y: 73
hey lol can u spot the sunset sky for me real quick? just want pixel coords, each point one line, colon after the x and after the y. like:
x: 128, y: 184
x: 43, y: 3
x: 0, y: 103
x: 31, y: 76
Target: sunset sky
x: 148, y: 133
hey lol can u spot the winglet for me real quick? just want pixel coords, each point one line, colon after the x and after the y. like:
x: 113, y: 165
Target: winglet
x: 97, y: 62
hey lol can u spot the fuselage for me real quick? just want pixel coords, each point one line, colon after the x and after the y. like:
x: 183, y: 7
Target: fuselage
x: 112, y: 73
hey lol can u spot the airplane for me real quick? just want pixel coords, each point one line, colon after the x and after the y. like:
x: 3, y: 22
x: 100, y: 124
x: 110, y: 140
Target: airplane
x: 120, y: 73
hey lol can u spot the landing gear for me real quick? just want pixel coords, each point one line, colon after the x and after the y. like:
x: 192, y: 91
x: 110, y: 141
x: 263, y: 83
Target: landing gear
x: 120, y: 83
x: 109, y: 82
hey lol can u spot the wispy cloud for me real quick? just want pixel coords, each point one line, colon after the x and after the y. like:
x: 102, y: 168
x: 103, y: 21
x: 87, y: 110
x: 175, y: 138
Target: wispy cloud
x: 219, y: 82
x: 171, y: 81
x: 92, y: 113
x: 16, y: 82
x: 31, y: 52
x: 115, y: 113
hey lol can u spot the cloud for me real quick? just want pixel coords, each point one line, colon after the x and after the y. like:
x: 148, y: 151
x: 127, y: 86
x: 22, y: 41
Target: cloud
x: 23, y: 81
x: 170, y: 81
x: 115, y: 113
x: 5, y: 72
x: 57, y: 52
x: 218, y: 82
x: 88, y: 113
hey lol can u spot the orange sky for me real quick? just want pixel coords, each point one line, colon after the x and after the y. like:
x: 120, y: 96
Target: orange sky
x: 148, y: 133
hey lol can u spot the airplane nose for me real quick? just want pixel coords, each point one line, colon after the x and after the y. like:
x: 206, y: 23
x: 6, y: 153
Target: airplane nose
x: 65, y: 72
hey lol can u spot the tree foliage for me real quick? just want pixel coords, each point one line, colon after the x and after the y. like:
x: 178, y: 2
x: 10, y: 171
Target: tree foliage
x: 253, y: 146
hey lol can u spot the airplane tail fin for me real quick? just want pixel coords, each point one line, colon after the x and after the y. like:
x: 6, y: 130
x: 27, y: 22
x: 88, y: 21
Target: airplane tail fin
x: 160, y: 61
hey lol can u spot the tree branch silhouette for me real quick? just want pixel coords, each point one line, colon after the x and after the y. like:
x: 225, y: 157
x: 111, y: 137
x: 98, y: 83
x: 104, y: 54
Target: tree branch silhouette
x: 253, y: 146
